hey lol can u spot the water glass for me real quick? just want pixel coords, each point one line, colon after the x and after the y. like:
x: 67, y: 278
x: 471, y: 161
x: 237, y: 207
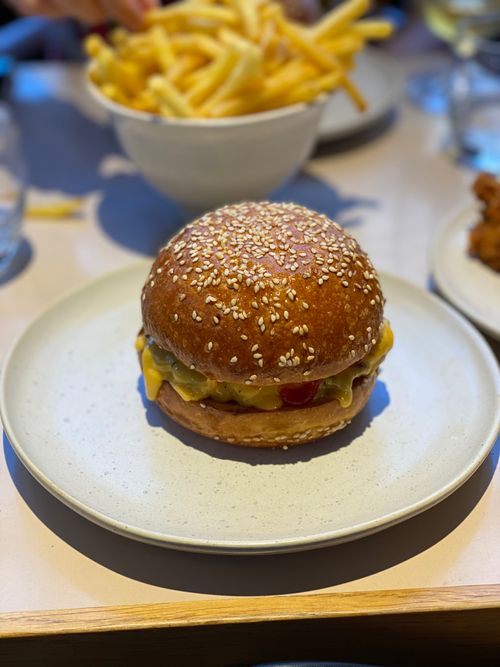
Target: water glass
x: 12, y: 188
x: 475, y: 101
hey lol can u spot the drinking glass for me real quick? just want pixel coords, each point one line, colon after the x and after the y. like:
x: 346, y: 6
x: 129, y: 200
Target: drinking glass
x: 475, y: 97
x: 446, y: 19
x: 12, y: 188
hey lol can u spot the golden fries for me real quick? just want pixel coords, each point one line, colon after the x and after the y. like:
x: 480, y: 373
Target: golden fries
x: 217, y: 58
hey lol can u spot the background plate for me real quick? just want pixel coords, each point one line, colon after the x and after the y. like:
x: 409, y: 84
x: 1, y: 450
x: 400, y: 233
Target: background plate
x: 72, y: 405
x: 469, y: 284
x: 381, y: 82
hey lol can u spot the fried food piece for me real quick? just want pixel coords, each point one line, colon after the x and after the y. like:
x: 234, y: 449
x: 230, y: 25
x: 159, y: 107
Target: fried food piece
x: 484, y: 237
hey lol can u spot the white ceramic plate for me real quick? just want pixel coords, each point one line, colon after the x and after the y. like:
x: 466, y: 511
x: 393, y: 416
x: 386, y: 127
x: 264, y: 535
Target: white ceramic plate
x: 469, y: 284
x: 380, y: 79
x: 73, y: 412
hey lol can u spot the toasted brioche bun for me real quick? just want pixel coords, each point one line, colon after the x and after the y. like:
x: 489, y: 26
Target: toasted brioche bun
x: 263, y: 293
x: 232, y: 423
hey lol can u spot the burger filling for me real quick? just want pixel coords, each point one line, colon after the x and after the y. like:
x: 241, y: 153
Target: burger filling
x: 161, y: 366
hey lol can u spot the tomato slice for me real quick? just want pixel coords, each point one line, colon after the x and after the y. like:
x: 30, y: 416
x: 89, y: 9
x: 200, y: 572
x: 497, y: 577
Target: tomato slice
x: 299, y: 394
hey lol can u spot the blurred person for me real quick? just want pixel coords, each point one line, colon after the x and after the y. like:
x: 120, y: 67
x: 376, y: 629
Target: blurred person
x: 130, y: 12
x: 91, y: 12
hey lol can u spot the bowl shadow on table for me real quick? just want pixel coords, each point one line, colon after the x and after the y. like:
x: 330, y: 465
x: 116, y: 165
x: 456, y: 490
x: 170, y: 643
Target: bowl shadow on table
x: 21, y: 260
x: 130, y: 211
x: 253, y: 575
x: 252, y: 456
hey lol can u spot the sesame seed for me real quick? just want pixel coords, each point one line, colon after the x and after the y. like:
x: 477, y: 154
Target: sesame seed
x: 286, y: 314
x: 202, y: 405
x: 192, y: 367
x: 255, y: 347
x: 260, y: 321
x: 215, y: 319
x: 182, y: 297
x: 276, y: 380
x: 152, y: 283
x: 255, y: 304
x: 351, y: 337
x: 176, y: 317
x: 261, y: 362
x: 210, y: 299
x: 194, y: 314
x: 305, y: 305
x: 306, y: 373
x: 252, y: 378
x: 233, y: 360
x: 210, y: 346
x: 244, y: 337
x: 235, y: 315
x: 344, y: 283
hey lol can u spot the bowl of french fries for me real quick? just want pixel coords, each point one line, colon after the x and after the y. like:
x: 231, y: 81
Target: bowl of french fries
x: 217, y: 101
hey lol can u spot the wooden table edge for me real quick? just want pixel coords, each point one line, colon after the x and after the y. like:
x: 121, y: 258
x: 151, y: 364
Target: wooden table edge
x: 220, y: 611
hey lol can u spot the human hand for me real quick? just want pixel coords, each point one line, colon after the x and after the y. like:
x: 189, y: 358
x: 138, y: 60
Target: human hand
x: 127, y: 12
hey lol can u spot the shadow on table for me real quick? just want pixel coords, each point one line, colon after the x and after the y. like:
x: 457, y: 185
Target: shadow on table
x: 19, y: 263
x: 131, y: 212
x: 253, y: 575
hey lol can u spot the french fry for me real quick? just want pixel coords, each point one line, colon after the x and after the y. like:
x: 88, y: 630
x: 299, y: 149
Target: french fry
x: 163, y: 47
x: 168, y: 95
x: 184, y: 64
x: 354, y: 93
x: 343, y: 45
x: 371, y: 29
x: 200, y: 43
x: 247, y: 13
x: 186, y: 11
x: 310, y: 90
x: 246, y: 69
x: 305, y: 45
x: 339, y: 18
x: 213, y: 77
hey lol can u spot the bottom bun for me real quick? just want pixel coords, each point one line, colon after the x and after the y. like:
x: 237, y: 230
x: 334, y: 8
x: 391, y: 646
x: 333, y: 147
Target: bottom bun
x: 248, y: 427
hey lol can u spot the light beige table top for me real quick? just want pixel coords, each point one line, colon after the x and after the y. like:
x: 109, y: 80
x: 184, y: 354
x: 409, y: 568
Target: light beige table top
x: 392, y: 190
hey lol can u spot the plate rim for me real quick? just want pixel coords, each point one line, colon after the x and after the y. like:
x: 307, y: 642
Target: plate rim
x: 241, y: 547
x: 396, y: 89
x: 457, y: 218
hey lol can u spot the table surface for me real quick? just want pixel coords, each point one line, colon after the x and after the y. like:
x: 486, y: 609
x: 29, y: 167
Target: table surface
x: 391, y: 187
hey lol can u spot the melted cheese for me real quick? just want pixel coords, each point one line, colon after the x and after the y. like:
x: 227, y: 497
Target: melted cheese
x: 160, y: 365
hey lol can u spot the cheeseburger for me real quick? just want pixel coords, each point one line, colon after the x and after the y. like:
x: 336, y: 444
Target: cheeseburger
x: 263, y: 326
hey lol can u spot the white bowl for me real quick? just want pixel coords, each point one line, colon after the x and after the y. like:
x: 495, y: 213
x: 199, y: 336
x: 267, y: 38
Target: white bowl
x: 206, y: 163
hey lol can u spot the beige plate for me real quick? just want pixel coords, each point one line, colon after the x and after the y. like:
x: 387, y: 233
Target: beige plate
x: 469, y: 284
x: 72, y: 408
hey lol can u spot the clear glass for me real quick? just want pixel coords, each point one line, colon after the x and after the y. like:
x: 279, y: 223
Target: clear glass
x: 12, y: 188
x: 447, y: 19
x: 475, y: 101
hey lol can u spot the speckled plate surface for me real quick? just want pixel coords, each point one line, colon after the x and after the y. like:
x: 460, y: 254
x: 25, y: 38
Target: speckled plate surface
x: 470, y: 285
x: 72, y: 405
